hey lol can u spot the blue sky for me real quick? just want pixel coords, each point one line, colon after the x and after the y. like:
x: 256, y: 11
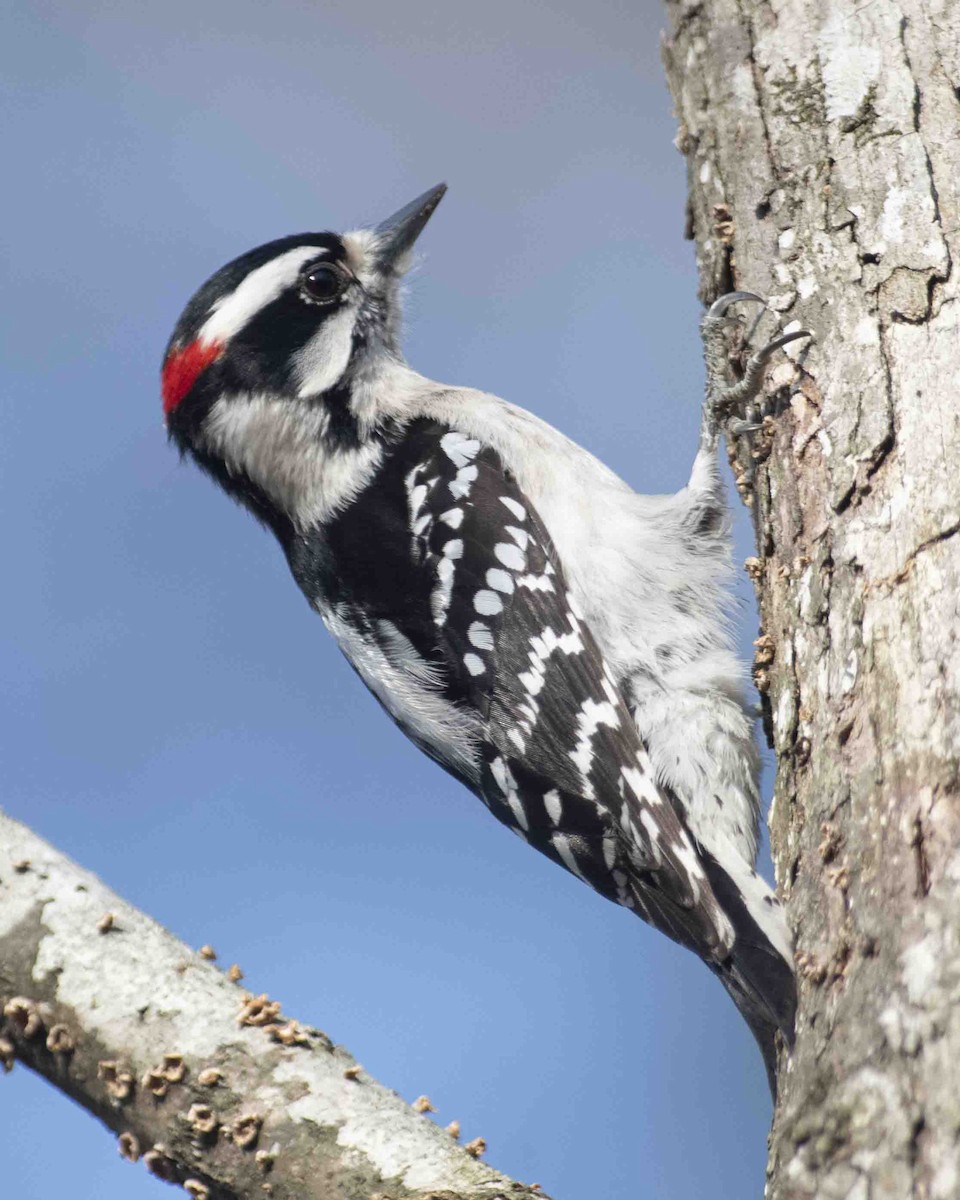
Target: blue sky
x: 175, y: 718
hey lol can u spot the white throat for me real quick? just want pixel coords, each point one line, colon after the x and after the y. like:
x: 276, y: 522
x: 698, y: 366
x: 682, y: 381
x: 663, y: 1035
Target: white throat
x: 282, y: 443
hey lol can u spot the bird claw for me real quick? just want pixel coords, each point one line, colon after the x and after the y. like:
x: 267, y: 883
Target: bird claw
x: 767, y: 351
x: 742, y: 428
x: 724, y: 398
x: 720, y: 305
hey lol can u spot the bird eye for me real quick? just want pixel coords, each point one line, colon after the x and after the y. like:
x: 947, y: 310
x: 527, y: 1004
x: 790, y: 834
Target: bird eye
x: 323, y: 283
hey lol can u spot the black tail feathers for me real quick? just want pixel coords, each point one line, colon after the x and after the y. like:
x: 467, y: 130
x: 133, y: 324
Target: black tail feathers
x: 756, y: 1010
x: 756, y: 974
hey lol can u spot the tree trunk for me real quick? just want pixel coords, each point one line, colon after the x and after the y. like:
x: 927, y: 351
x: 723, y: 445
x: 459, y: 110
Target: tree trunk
x: 211, y: 1087
x: 823, y: 145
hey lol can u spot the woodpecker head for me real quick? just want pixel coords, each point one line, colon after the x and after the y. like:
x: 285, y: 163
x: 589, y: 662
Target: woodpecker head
x: 297, y: 322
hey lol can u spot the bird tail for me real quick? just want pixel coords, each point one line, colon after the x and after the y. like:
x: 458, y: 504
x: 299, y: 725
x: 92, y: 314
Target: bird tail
x: 758, y: 973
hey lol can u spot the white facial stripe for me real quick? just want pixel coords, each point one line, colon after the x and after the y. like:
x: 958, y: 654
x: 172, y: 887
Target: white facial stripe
x: 324, y: 358
x: 231, y: 312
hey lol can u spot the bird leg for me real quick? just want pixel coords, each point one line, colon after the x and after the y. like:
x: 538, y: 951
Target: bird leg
x: 731, y: 404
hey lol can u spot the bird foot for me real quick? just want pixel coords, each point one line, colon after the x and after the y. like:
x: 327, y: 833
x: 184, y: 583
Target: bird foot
x: 723, y: 399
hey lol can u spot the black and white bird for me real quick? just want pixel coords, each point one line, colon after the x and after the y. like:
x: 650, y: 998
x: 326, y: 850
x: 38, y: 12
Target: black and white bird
x: 554, y: 640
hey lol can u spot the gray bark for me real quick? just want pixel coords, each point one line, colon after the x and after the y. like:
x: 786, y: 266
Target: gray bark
x: 210, y: 1087
x: 823, y: 145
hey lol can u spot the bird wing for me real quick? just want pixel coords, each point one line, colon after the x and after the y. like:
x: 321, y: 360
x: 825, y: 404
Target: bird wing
x: 478, y: 593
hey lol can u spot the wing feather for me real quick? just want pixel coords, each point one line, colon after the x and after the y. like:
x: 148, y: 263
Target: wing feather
x: 562, y: 761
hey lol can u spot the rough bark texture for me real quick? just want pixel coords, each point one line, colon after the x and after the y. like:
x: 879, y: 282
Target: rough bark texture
x: 824, y: 159
x: 211, y: 1087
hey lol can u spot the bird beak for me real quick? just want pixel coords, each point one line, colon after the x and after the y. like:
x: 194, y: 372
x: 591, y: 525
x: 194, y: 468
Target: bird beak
x: 396, y: 235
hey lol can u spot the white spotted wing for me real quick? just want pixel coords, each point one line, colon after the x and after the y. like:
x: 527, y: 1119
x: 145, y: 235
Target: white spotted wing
x: 561, y: 761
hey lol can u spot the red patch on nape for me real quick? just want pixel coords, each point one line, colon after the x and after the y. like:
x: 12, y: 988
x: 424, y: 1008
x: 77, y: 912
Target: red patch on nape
x: 182, y: 368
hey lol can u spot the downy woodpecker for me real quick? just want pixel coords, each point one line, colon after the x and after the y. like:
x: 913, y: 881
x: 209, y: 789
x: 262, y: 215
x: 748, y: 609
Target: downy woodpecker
x: 552, y: 639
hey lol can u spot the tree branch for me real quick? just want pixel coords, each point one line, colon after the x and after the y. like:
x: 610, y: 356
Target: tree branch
x: 211, y: 1087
